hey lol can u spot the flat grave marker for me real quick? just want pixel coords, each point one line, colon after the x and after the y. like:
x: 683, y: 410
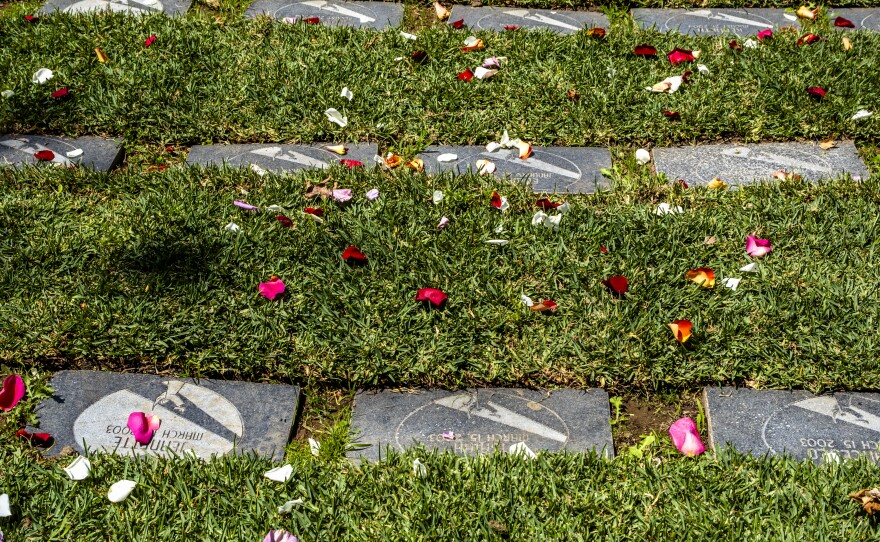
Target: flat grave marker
x: 377, y: 15
x: 481, y: 420
x: 132, y: 7
x: 497, y: 18
x: 745, y: 164
x: 202, y: 417
x: 796, y: 423
x: 564, y: 170
x: 713, y: 22
x: 862, y: 18
x: 100, y: 154
x: 280, y: 158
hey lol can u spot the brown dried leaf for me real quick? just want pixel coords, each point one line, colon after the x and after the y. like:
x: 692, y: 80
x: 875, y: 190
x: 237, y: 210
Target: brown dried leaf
x: 868, y: 498
x: 572, y: 94
x: 319, y: 190
x: 827, y: 144
x: 102, y: 57
x: 711, y: 240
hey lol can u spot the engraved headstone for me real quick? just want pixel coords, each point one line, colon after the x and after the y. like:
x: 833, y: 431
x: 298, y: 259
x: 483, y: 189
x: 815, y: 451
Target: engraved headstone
x: 861, y: 18
x: 497, y: 18
x: 378, y: 15
x: 796, y: 423
x: 92, y: 152
x: 713, y: 22
x: 745, y: 164
x: 280, y: 158
x: 479, y: 420
x: 132, y: 7
x: 203, y: 417
x: 564, y: 170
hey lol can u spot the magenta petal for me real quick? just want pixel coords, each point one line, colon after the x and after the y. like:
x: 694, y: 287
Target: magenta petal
x: 765, y: 34
x: 758, y: 247
x: 432, y: 295
x: 246, y: 206
x: 272, y: 289
x: 280, y: 536
x: 12, y: 392
x: 686, y: 438
x: 140, y: 427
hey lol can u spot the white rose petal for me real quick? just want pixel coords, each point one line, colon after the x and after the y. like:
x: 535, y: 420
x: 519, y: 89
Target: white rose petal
x: 5, y: 511
x: 471, y: 41
x: 315, y: 447
x: 564, y: 208
x: 751, y: 268
x: 539, y: 218
x: 666, y: 209
x: 280, y: 474
x: 643, y: 157
x: 276, y: 209
x: 500, y: 228
x: 447, y: 157
x: 437, y: 197
x: 521, y: 449
x: 790, y: 17
x: 42, y: 75
x: 493, y: 146
x: 703, y: 69
x: 75, y: 153
x: 484, y: 73
x: 485, y: 167
x: 7, y: 94
x: 553, y: 222
x: 120, y: 490
x: 419, y: 469
x: 79, y: 468
x: 288, y: 506
x: 750, y: 44
x: 861, y: 113
x: 732, y: 283
x: 409, y: 36
x: 443, y: 223
x: 505, y: 140
x: 527, y: 301
x: 499, y: 242
x: 232, y: 226
x: 258, y: 170
x: 336, y: 117
x: 346, y: 93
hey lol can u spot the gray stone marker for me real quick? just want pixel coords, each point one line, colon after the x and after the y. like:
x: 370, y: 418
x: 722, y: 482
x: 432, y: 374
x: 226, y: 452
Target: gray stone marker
x: 482, y: 420
x: 799, y: 424
x: 378, y: 15
x: 203, y: 417
x: 97, y: 153
x: 133, y: 7
x: 862, y: 18
x: 496, y: 18
x: 745, y: 164
x: 564, y: 170
x: 713, y: 22
x: 280, y: 158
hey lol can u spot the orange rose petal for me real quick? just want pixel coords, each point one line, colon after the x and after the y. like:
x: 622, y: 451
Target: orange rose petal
x: 681, y: 329
x: 102, y: 57
x: 525, y: 150
x: 416, y: 164
x: 703, y: 276
x: 393, y: 160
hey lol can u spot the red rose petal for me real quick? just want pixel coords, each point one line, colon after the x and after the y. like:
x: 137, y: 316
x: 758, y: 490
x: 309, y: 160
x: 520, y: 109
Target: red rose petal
x: 817, y: 92
x: 495, y: 200
x: 735, y: 46
x: 511, y: 27
x: 43, y: 440
x: 353, y: 255
x: 432, y: 295
x: 458, y: 25
x: 351, y: 164
x: 149, y: 41
x: 12, y: 392
x: 808, y: 38
x: 466, y: 75
x: 765, y: 34
x: 843, y: 23
x: 31, y: 18
x: 603, y: 249
x: 419, y: 56
x: 60, y: 94
x: 671, y: 115
x: 682, y: 183
x: 677, y: 56
x: 645, y: 50
x: 546, y: 204
x: 286, y: 222
x: 311, y: 20
x: 617, y: 284
x: 317, y: 211
x: 44, y: 155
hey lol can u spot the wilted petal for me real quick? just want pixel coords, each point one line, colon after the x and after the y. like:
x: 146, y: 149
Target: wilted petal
x: 102, y: 56
x: 279, y: 536
x: 472, y: 43
x: 494, y: 62
x: 548, y: 305
x: 347, y: 94
x: 120, y: 490
x: 12, y: 392
x: 757, y: 248
x: 808, y: 38
x: 419, y: 56
x: 686, y: 437
x: 806, y: 13
x: 336, y: 117
x: 716, y: 184
x: 419, y: 468
x: 596, y: 32
x: 732, y: 283
x: 372, y: 194
x: 645, y: 50
x: 42, y: 75
x: 246, y: 206
x: 79, y: 468
x: 314, y: 447
x: 668, y: 85
x: 442, y: 12
x: 434, y: 296
x: 232, y: 226
x: 338, y: 149
x: 703, y: 276
x: 643, y: 157
x: 280, y: 474
x: 272, y: 289
x: 539, y: 218
x: 416, y: 164
x: 861, y: 113
x: 564, y: 208
x: 43, y: 440
x: 671, y: 115
x: 618, y: 284
x: 525, y: 149
x: 393, y: 160
x: 437, y: 197
x: 521, y: 449
x: 482, y: 73
x: 485, y: 167
x: 843, y: 23
x: 750, y: 268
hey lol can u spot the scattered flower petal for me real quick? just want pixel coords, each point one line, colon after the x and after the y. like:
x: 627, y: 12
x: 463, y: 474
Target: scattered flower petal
x: 232, y: 226
x: 750, y: 268
x: 522, y: 450
x: 750, y: 44
x: 546, y: 204
x: 272, y: 289
x: 671, y: 115
x: 443, y: 223
x: 353, y: 255
x: 12, y: 392
x: 280, y: 474
x: 149, y: 41
x: 79, y: 468
x: 246, y: 206
x: 392, y: 160
x: 548, y: 305
x: 408, y: 36
x: 492, y: 146
x: 618, y: 284
x: 287, y: 507
x: 120, y: 490
x: 458, y: 25
x: 499, y: 202
x: 338, y: 149
x: 843, y: 23
x: 681, y: 329
x: 735, y: 45
x: 816, y: 92
x: 416, y: 164
x: 5, y: 511
x: 596, y: 32
x: 767, y: 33
x: 485, y: 167
x: 442, y: 12
x: 7, y: 94
x: 447, y: 157
x: 60, y: 94
x: 43, y: 440
x: 716, y: 184
x: 757, y: 248
x: 448, y: 435
x: 482, y: 73
x: 686, y: 437
x: 102, y: 56
x: 311, y: 20
x: 806, y: 13
x: 75, y: 153
x: 677, y: 56
x: 284, y: 220
x: 419, y: 468
x: 703, y: 276
x: 643, y: 157
x: 313, y: 211
x: 373, y: 194
x: 314, y: 447
x: 808, y: 38
x: 499, y: 242
x: 341, y: 194
x: 44, y: 155
x: 525, y: 149
x: 437, y: 197
x: 42, y: 75
x: 419, y: 57
x: 473, y: 43
x: 731, y: 282
x: 667, y: 209
x: 432, y: 295
x: 861, y: 114
x: 466, y: 75
x: 527, y: 301
x: 494, y: 62
x: 336, y: 117
x: 142, y: 426
x: 279, y: 536
x: 645, y: 50
x: 510, y: 27
x: 669, y: 85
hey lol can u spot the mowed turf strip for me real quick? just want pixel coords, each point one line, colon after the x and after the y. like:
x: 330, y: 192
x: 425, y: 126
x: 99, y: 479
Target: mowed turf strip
x: 254, y: 81
x: 138, y: 271
x: 556, y: 497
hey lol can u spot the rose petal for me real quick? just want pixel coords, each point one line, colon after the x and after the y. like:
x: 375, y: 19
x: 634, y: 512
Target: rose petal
x: 686, y: 437
x: 392, y: 160
x: 60, y: 94
x: 485, y: 167
x: 232, y: 226
x: 120, y: 490
x: 843, y: 23
x: 79, y: 468
x: 750, y: 268
x: 312, y: 20
x: 643, y: 157
x: 473, y: 43
x: 44, y: 155
x: 279, y: 536
x: 353, y: 255
x: 466, y: 75
x: 548, y: 305
x: 765, y: 34
x: 287, y: 507
x: 681, y: 329
x: 667, y: 209
x: 272, y: 289
x: 313, y: 211
x: 448, y: 435
x: 432, y: 295
x: 314, y: 447
x: 419, y: 56
x: 443, y: 223
x: 347, y: 94
x: 521, y: 449
x: 494, y: 62
x: 75, y: 153
x: 351, y: 164
x: 246, y: 206
x: 285, y: 221
x: 596, y: 32
x: 808, y: 38
x: 447, y: 157
x: 416, y: 164
x: 140, y: 427
x: 5, y: 511
x: 419, y: 468
x: 546, y: 204
x: 645, y: 50
x: 442, y: 12
x: 336, y: 117
x: 341, y: 194
x: 527, y: 301
x: 757, y: 248
x: 618, y: 284
x: 482, y: 73
x: 510, y: 27
x: 149, y: 41
x: 816, y: 92
x: 671, y: 115
x: 102, y: 56
x: 42, y: 75
x: 43, y: 440
x: 716, y: 184
x: 12, y: 392
x: 338, y: 149
x: 861, y: 113
x: 731, y: 282
x: 677, y: 56
x: 492, y: 146
x: 806, y: 13
x: 373, y: 194
x: 703, y: 276
x: 458, y: 25
x: 280, y: 474
x: 498, y: 242
x: 525, y: 149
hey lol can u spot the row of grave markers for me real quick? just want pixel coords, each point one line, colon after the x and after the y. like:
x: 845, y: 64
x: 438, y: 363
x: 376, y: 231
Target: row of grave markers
x: 89, y: 409
x: 549, y: 170
x: 381, y: 15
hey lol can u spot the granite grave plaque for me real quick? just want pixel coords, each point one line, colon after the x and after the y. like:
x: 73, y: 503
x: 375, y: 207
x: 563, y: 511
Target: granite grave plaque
x: 745, y: 164
x: 280, y: 158
x: 496, y: 18
x: 203, y: 417
x: 862, y: 18
x: 133, y: 7
x: 93, y: 152
x: 796, y: 423
x: 378, y: 15
x: 481, y: 420
x: 564, y: 170
x: 712, y: 22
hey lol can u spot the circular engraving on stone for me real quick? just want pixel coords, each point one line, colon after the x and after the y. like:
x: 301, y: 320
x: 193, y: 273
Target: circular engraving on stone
x: 342, y: 12
x: 481, y: 423
x: 195, y: 420
x: 843, y: 425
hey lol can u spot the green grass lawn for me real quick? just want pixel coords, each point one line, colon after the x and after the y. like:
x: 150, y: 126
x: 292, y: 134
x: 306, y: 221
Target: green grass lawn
x: 242, y: 81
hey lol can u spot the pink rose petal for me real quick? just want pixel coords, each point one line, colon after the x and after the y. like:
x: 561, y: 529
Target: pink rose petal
x: 272, y: 289
x: 686, y: 438
x: 432, y: 295
x: 246, y: 206
x: 12, y: 392
x: 765, y: 34
x: 341, y: 194
x: 280, y: 536
x: 443, y: 223
x: 757, y: 248
x: 140, y: 427
x: 373, y: 194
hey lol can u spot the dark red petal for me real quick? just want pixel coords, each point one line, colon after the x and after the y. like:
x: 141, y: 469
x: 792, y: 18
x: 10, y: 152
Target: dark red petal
x: 617, y: 284
x: 550, y: 304
x: 466, y: 75
x: 317, y: 211
x: 311, y: 20
x: 603, y: 249
x: 682, y: 183
x: 735, y: 46
x: 843, y: 23
x: 645, y: 50
x: 808, y: 38
x: 149, y: 41
x: 677, y: 56
x: 546, y: 204
x: 511, y: 27
x: 31, y: 18
x: 351, y: 164
x: 458, y: 25
x: 817, y: 92
x: 496, y: 200
x: 45, y: 156
x: 432, y: 295
x: 286, y: 222
x: 419, y: 56
x: 354, y: 254
x: 60, y: 94
x: 43, y: 440
x: 671, y: 115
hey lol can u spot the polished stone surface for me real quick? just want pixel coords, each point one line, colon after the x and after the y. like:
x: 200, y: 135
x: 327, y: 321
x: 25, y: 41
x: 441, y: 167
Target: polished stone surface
x: 377, y: 15
x: 713, y: 22
x: 496, y: 18
x: 97, y: 153
x: 133, y: 7
x: 280, y: 158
